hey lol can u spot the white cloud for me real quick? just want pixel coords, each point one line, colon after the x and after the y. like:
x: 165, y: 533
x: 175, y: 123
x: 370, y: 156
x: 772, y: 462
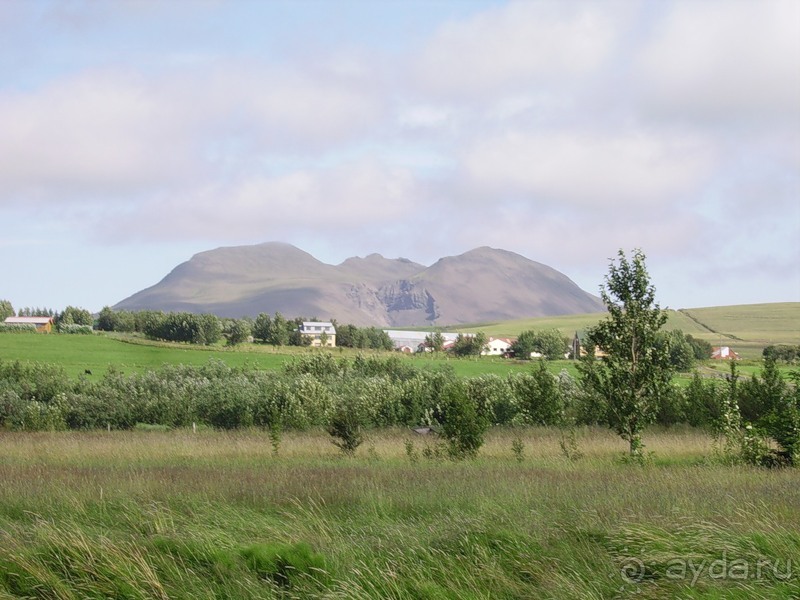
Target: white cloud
x: 736, y: 61
x: 590, y: 169
x: 102, y: 133
x: 325, y: 202
x: 516, y: 44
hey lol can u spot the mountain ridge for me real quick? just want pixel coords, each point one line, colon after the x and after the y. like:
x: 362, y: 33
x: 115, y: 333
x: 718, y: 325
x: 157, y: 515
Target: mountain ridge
x: 483, y: 284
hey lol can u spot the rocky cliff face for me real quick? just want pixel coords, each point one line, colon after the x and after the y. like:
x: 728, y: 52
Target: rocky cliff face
x: 481, y: 285
x: 408, y: 304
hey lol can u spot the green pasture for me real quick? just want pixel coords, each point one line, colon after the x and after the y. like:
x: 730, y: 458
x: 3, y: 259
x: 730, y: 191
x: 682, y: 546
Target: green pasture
x: 182, y: 515
x: 98, y: 352
x: 747, y: 329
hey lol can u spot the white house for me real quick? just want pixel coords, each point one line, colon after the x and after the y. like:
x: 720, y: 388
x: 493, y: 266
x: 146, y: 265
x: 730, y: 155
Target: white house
x: 322, y: 333
x: 497, y: 346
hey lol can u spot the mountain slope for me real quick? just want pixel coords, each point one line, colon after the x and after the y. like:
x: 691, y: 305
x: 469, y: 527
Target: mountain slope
x: 481, y: 285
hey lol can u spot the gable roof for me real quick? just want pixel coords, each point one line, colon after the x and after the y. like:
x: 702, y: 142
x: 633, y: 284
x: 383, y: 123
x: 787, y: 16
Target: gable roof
x: 29, y: 320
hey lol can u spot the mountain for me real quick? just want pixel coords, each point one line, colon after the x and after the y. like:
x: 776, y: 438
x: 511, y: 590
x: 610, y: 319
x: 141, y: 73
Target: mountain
x: 481, y: 285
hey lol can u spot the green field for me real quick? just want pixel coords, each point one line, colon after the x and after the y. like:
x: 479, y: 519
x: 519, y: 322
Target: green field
x: 745, y: 328
x: 218, y: 515
x: 97, y: 353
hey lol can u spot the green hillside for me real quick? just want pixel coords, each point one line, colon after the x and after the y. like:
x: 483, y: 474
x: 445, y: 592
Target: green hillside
x: 747, y: 328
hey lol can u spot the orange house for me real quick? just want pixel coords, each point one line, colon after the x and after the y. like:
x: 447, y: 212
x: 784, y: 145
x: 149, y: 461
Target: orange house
x: 43, y: 324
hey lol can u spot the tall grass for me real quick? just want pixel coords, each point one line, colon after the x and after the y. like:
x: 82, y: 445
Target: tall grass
x: 149, y: 514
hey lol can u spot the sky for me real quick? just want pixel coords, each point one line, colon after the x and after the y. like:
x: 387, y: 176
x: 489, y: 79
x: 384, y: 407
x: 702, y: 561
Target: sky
x: 136, y: 133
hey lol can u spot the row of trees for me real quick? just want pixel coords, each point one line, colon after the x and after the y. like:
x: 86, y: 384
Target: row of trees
x: 274, y: 329
x: 783, y: 352
x: 355, y: 394
x: 69, y: 316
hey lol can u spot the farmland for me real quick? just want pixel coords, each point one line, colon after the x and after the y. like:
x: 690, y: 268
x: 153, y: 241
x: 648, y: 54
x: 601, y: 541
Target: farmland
x: 97, y: 353
x: 747, y: 328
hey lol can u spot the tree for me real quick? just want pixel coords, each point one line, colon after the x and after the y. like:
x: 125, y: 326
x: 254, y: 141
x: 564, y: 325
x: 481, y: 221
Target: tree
x: 238, y: 331
x: 701, y: 348
x: 523, y: 346
x: 6, y: 310
x: 681, y: 352
x: 469, y: 345
x: 346, y: 426
x: 462, y: 425
x: 262, y: 326
x: 634, y: 370
x: 539, y: 396
x: 435, y: 341
x: 278, y: 331
x: 74, y: 316
x: 551, y: 344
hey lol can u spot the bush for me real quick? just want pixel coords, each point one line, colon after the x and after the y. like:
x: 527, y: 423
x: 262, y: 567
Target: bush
x: 461, y: 425
x: 345, y: 427
x: 75, y: 329
x: 17, y: 328
x: 538, y: 396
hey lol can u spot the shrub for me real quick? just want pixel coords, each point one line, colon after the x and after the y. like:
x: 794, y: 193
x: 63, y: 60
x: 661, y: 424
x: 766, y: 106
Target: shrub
x: 538, y: 396
x: 462, y: 426
x: 345, y: 428
x: 17, y: 328
x: 75, y: 329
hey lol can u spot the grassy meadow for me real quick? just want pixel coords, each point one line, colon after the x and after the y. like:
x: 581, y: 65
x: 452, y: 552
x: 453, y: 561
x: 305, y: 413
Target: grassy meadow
x: 156, y: 514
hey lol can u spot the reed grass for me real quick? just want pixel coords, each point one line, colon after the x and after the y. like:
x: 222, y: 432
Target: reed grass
x: 157, y: 514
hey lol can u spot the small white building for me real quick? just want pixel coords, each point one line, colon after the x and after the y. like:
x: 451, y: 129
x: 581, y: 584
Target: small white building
x: 321, y: 333
x: 497, y: 346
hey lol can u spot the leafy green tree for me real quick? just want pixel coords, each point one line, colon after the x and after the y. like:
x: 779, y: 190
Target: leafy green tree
x: 681, y: 353
x: 469, y: 345
x: 238, y: 331
x: 462, y: 425
x: 378, y: 339
x: 6, y: 310
x: 701, y: 348
x: 551, y: 344
x: 75, y: 316
x: 261, y: 328
x: 435, y: 341
x: 634, y: 370
x: 278, y: 331
x: 524, y: 345
x: 111, y: 320
x: 539, y: 396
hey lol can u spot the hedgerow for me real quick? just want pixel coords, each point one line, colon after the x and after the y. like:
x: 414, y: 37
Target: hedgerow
x: 318, y: 390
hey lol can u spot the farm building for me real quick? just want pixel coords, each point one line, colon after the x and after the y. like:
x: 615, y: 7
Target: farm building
x: 42, y: 324
x: 321, y: 333
x: 497, y: 346
x: 414, y: 340
x: 723, y: 353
